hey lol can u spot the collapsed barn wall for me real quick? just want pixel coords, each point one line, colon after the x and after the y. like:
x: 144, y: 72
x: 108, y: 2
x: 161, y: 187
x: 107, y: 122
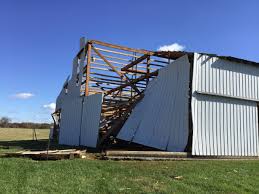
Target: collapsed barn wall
x: 160, y: 120
x: 224, y: 107
x: 107, y: 81
x: 135, y: 95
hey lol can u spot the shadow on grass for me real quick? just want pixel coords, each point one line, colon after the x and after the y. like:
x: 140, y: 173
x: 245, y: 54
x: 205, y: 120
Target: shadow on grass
x: 32, y: 145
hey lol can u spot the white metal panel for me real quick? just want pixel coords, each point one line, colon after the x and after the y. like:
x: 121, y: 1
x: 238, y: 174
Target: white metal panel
x: 92, y: 106
x: 70, y: 121
x: 160, y: 120
x: 74, y: 85
x: 224, y: 109
x: 62, y: 95
x: 71, y: 104
x: 225, y: 78
x: 131, y: 125
x: 224, y: 126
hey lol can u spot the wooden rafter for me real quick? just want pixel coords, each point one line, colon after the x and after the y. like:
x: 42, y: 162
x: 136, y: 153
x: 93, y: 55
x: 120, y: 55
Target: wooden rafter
x: 132, y: 82
x: 138, y: 60
x: 107, y: 62
x: 120, y: 121
x: 123, y: 76
x: 121, y: 47
x: 135, y: 71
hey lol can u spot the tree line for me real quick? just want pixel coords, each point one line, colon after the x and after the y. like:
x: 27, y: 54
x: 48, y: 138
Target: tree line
x: 6, y: 122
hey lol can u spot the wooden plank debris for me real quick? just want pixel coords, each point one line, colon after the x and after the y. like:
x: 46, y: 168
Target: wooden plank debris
x: 50, y: 154
x: 145, y: 155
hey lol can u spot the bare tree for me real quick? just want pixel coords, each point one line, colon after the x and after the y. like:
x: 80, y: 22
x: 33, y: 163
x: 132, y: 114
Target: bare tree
x: 5, y: 121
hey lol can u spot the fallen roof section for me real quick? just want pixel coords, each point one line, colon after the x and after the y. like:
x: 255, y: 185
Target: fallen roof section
x: 160, y: 120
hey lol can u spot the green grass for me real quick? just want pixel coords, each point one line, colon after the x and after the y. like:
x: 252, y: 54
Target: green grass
x: 95, y: 176
x: 19, y: 175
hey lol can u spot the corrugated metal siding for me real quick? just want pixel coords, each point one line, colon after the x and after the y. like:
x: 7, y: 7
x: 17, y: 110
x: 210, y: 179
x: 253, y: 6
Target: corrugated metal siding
x: 70, y: 121
x: 224, y: 127
x: 73, y: 84
x: 90, y: 120
x: 62, y: 95
x: 225, y: 78
x: 160, y: 120
x: 224, y: 107
x: 71, y: 106
x: 131, y: 125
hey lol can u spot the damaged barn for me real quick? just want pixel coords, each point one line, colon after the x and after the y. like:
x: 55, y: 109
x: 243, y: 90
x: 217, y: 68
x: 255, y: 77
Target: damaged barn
x: 174, y: 101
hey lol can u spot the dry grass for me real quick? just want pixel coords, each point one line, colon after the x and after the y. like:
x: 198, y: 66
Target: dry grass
x: 14, y: 134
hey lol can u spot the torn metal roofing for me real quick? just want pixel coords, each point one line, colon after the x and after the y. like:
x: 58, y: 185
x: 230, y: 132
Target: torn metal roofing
x: 160, y: 120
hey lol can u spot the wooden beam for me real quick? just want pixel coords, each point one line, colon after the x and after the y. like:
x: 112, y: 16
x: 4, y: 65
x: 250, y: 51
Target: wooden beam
x: 107, y: 62
x: 117, y: 126
x: 121, y: 47
x: 171, y: 54
x: 104, y: 75
x: 140, y: 59
x: 135, y: 71
x: 124, y: 77
x: 155, y: 73
x: 87, y: 79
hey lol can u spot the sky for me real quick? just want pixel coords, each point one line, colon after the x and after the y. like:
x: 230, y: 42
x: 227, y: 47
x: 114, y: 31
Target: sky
x: 38, y: 39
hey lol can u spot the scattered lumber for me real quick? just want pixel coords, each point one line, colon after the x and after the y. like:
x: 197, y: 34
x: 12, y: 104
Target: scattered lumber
x: 144, y: 155
x: 161, y: 155
x: 49, y: 155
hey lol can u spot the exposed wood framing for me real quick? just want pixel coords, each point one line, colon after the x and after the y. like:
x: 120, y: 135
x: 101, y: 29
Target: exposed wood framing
x: 136, y: 71
x: 107, y: 62
x: 121, y: 47
x: 140, y: 59
x: 133, y: 82
x: 121, y: 74
x: 124, y: 77
x: 119, y: 122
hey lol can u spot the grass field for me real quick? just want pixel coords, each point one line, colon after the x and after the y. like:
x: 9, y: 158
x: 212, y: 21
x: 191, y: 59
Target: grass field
x: 20, y: 175
x: 13, y: 134
x: 13, y: 139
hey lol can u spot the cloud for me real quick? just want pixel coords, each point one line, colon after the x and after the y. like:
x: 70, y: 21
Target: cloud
x: 23, y: 95
x: 51, y: 107
x: 171, y: 47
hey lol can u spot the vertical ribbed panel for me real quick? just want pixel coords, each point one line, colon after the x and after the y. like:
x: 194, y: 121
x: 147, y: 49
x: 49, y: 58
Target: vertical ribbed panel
x: 160, y: 120
x: 62, y: 95
x: 70, y: 121
x: 70, y: 103
x: 90, y: 120
x: 224, y: 107
x: 224, y: 126
x: 225, y: 78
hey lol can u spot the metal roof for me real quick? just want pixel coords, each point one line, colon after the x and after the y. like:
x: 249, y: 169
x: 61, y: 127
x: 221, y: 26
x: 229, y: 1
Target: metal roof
x: 177, y: 54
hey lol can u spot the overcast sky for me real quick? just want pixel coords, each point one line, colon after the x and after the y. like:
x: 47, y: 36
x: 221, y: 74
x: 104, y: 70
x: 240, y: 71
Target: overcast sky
x: 38, y: 39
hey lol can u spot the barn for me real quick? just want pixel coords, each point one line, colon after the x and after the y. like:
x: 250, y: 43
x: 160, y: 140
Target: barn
x: 200, y: 103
